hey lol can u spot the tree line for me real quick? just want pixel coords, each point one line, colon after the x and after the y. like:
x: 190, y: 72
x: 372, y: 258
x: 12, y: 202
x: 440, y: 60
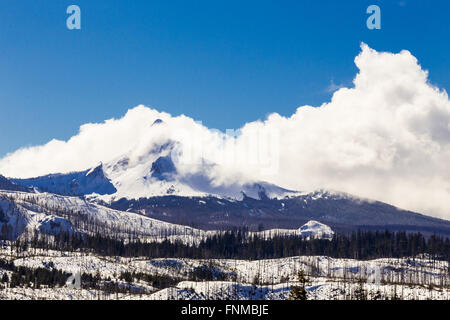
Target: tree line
x: 239, y: 244
x: 21, y: 276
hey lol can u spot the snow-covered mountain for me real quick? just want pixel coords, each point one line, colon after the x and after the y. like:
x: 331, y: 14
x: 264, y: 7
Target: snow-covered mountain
x: 342, y: 212
x: 71, y: 184
x: 156, y: 190
x: 151, y: 180
x: 153, y: 173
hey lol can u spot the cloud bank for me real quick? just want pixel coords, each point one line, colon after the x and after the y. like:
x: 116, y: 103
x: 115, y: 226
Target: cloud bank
x: 386, y: 138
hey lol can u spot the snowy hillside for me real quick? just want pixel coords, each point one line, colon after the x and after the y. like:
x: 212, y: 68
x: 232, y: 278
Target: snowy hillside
x: 51, y: 214
x: 310, y: 230
x: 406, y: 278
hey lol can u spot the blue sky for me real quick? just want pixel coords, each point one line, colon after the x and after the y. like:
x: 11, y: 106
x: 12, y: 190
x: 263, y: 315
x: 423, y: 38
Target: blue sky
x: 225, y: 63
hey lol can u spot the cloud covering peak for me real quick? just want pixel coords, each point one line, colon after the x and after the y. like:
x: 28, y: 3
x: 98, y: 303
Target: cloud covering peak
x: 386, y: 138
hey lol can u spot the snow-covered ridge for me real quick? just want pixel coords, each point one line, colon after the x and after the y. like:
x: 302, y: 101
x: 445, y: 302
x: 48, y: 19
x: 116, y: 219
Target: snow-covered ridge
x: 80, y: 183
x: 6, y: 184
x: 52, y: 214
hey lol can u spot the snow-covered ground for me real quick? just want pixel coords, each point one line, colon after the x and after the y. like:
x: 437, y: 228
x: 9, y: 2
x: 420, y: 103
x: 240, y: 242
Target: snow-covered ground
x: 407, y: 278
x: 318, y: 289
x: 34, y: 211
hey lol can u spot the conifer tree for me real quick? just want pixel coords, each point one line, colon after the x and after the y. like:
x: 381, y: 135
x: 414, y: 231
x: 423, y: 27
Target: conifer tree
x: 299, y: 292
x: 5, y: 278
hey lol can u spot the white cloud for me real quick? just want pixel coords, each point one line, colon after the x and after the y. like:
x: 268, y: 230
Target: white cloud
x: 332, y: 87
x: 387, y: 138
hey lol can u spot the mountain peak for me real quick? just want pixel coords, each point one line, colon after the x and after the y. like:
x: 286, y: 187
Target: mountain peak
x: 157, y: 121
x: 96, y: 171
x: 163, y: 168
